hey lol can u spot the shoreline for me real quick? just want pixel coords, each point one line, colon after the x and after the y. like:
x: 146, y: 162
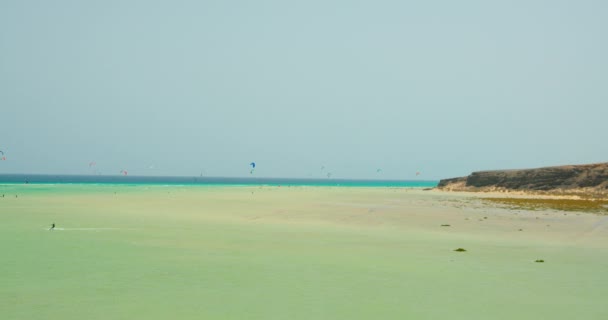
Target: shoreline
x: 531, y: 201
x: 579, y: 194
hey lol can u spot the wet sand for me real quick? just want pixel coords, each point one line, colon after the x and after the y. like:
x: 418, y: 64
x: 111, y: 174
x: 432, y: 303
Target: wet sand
x: 293, y: 253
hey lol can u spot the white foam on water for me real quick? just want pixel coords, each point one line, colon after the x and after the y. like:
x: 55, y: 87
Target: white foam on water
x: 86, y: 229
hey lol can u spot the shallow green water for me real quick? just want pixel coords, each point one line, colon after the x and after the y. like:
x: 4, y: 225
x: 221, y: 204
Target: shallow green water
x: 187, y: 253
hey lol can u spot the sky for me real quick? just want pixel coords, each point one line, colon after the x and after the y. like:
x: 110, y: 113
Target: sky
x: 184, y: 88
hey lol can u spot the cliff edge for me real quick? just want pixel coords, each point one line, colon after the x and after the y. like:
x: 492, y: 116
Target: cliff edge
x: 588, y: 180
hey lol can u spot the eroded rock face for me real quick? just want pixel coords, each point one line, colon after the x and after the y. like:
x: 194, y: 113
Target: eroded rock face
x: 592, y: 177
x: 444, y: 183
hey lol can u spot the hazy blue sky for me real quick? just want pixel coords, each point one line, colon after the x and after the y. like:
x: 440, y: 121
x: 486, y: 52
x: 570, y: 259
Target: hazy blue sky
x: 184, y: 87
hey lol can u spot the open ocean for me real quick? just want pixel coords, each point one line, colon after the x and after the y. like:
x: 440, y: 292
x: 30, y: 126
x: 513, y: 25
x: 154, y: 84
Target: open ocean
x: 211, y: 181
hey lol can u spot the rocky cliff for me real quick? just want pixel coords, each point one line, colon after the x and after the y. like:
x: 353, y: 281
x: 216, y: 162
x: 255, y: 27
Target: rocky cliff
x: 589, y: 179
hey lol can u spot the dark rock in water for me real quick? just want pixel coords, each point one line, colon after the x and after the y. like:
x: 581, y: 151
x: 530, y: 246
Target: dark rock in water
x: 540, y: 260
x: 460, y: 250
x: 590, y: 178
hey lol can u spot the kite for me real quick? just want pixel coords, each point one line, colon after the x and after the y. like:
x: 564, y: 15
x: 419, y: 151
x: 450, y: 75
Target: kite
x: 124, y: 172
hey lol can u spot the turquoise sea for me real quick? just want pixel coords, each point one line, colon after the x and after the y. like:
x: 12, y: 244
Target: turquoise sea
x: 220, y: 181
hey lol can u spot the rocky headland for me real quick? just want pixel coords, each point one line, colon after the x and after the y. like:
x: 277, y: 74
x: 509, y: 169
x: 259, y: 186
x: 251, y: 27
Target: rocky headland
x: 590, y: 180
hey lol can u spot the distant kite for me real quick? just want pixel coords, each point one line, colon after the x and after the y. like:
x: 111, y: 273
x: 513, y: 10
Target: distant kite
x: 3, y: 158
x: 417, y: 173
x: 378, y: 170
x: 124, y: 172
x: 329, y: 174
x: 2, y: 152
x: 92, y: 163
x: 252, y: 165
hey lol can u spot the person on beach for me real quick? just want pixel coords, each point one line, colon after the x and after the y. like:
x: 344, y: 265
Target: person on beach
x: 52, y: 226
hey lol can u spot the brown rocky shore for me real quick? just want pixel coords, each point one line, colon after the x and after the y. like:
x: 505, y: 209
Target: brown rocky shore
x: 590, y: 180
